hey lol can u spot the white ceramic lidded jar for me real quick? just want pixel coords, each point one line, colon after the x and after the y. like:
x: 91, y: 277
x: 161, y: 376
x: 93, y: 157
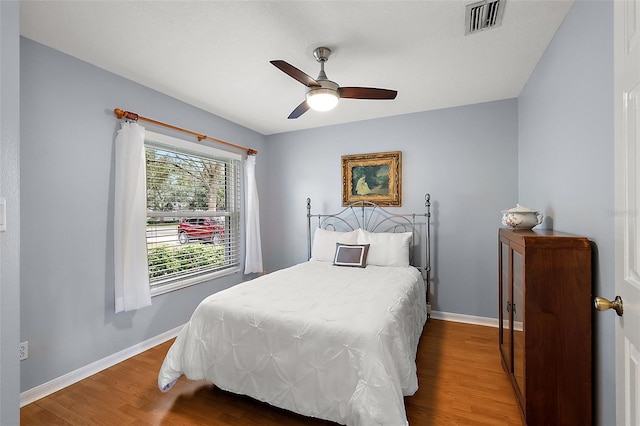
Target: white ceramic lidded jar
x: 520, y: 217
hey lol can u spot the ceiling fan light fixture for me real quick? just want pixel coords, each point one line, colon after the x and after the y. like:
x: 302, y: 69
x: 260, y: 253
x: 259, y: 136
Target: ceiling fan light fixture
x: 323, y: 94
x: 322, y: 99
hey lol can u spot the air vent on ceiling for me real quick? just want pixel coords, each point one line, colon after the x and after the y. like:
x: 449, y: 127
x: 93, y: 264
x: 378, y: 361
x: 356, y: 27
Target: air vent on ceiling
x: 483, y: 15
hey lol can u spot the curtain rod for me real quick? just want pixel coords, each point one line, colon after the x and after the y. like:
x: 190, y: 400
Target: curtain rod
x: 135, y: 117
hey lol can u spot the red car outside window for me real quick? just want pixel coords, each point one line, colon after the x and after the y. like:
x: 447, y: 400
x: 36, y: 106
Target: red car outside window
x: 200, y: 228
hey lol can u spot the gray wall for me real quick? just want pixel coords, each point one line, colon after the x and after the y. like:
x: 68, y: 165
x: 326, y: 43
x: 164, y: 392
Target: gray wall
x: 10, y: 190
x: 67, y: 166
x: 465, y: 157
x: 565, y: 133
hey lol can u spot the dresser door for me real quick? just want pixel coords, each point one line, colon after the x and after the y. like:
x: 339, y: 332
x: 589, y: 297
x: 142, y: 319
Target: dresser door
x: 505, y: 304
x: 518, y: 306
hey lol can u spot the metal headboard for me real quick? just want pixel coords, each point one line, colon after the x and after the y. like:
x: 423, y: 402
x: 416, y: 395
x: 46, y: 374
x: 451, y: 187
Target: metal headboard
x: 373, y: 218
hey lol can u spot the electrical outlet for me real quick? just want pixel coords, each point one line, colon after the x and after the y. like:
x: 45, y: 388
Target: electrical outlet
x: 24, y: 350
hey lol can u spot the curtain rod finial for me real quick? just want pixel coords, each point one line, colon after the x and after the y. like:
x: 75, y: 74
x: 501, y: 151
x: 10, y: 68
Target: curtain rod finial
x: 125, y: 114
x: 252, y: 152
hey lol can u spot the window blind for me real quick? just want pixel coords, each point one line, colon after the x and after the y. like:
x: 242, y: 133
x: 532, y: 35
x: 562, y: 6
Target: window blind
x: 193, y: 213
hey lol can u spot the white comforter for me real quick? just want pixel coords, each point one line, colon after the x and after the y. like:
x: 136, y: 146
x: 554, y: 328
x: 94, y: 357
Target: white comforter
x: 331, y: 342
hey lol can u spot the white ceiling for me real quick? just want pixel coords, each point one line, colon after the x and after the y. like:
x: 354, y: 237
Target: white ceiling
x: 215, y: 54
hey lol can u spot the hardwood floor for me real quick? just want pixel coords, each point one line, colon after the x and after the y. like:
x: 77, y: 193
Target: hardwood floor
x: 459, y: 372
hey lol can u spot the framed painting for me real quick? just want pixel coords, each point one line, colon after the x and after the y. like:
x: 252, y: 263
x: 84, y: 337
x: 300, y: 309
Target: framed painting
x: 372, y: 177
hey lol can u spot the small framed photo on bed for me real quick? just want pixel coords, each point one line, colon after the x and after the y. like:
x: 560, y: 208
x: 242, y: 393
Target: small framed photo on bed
x: 376, y: 178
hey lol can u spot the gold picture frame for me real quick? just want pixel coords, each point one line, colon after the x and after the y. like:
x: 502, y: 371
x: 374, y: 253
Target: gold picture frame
x: 376, y: 178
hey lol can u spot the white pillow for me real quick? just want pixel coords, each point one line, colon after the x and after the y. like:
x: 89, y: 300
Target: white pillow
x: 324, y: 243
x: 386, y: 248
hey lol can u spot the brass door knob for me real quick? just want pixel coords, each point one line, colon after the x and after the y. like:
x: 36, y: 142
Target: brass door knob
x: 602, y: 304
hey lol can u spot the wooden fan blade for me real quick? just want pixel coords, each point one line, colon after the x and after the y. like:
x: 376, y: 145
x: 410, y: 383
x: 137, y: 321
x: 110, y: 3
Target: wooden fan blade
x: 294, y: 72
x: 366, y: 93
x: 300, y: 109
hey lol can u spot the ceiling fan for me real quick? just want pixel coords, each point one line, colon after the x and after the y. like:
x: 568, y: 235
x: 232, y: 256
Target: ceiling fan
x: 322, y: 93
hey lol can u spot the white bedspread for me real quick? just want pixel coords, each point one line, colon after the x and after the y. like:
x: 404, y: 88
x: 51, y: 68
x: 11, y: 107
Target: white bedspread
x: 331, y: 342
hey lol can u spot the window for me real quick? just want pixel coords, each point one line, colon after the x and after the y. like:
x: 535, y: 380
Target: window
x: 193, y: 212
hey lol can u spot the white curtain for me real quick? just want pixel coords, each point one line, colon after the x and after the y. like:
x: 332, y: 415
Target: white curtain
x: 253, y: 245
x: 130, y: 243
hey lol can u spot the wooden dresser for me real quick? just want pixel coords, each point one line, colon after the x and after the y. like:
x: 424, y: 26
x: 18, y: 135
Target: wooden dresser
x: 544, y: 295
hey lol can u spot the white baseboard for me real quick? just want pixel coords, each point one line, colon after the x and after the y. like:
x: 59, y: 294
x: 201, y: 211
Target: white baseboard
x: 34, y: 394
x: 467, y: 319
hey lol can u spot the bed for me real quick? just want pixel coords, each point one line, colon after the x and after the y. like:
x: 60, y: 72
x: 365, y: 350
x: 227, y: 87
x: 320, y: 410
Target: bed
x: 334, y: 337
